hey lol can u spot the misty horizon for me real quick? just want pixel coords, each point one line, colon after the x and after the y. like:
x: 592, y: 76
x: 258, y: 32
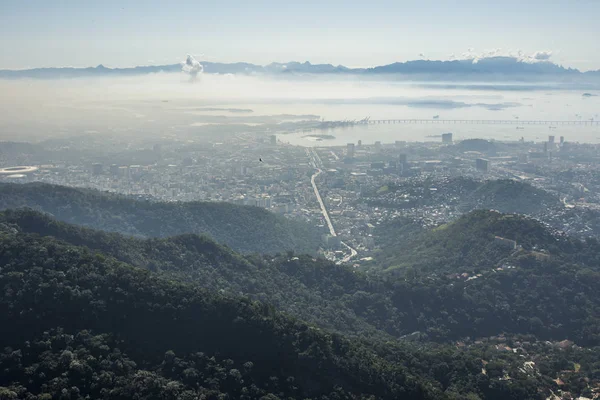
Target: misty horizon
x: 493, y: 59
x: 411, y: 210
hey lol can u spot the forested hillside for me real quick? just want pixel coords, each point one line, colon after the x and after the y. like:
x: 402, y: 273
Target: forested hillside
x: 448, y: 302
x: 510, y: 196
x: 245, y: 229
x: 82, y: 325
x: 468, y: 243
x: 78, y: 321
x: 300, y: 287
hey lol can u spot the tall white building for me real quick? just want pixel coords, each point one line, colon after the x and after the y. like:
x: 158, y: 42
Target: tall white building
x: 350, y: 150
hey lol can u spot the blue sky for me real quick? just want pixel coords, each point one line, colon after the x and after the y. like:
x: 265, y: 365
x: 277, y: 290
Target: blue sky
x: 35, y: 33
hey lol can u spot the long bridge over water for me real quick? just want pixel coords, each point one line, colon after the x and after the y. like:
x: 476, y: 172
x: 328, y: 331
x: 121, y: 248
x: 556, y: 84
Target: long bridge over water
x: 482, y: 122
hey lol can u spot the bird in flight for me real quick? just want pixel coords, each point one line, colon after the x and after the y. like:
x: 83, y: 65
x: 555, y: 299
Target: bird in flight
x: 260, y: 159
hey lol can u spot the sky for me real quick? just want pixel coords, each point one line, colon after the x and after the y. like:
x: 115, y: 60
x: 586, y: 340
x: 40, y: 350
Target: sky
x: 50, y: 33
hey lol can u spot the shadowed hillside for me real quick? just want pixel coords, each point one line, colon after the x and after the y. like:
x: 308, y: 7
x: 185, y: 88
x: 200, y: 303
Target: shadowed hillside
x: 245, y: 229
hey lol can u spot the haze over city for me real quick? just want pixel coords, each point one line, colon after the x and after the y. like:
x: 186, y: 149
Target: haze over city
x: 312, y: 200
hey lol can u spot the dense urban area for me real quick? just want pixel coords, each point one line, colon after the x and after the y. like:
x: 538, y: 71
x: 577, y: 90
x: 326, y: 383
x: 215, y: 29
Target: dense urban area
x: 463, y: 268
x: 348, y: 192
x: 276, y: 200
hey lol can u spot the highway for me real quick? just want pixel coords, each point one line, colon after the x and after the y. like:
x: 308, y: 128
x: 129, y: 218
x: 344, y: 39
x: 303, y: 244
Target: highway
x: 323, y: 209
x: 318, y: 164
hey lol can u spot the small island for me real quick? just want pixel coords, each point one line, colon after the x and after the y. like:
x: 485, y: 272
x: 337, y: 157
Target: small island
x: 318, y: 138
x: 589, y: 95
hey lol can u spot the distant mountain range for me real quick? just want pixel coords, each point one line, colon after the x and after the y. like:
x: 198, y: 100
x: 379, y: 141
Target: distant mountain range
x: 494, y: 68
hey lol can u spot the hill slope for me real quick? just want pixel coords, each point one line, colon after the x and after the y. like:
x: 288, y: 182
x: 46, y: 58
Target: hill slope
x: 435, y: 299
x: 80, y: 324
x: 504, y: 195
x: 510, y: 196
x: 468, y: 243
x: 303, y: 287
x: 245, y: 229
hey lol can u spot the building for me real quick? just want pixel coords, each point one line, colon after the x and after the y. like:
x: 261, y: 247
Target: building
x: 350, y: 150
x: 359, y: 176
x: 447, y: 138
x: 124, y: 172
x: 378, y: 146
x: 524, y: 158
x: 274, y: 140
x: 135, y: 171
x: 481, y: 164
x: 359, y: 143
x: 431, y: 165
x: 551, y: 139
x: 402, y: 159
x: 96, y: 169
x: 562, y: 140
x: 114, y: 170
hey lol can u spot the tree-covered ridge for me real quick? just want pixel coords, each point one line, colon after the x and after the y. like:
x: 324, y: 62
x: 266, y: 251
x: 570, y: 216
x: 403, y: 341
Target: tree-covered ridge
x: 243, y: 228
x: 469, y: 243
x: 80, y: 323
x: 48, y: 285
x: 460, y: 302
x: 301, y: 286
x: 511, y: 196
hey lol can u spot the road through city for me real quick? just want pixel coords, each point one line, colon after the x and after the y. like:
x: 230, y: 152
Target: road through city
x: 317, y: 163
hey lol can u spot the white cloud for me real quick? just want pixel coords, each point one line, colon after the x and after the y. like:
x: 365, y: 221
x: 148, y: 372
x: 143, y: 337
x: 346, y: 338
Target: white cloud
x: 538, y: 56
x: 192, y: 67
x: 542, y: 55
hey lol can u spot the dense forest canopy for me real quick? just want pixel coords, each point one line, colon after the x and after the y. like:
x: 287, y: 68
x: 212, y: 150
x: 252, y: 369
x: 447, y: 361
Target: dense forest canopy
x: 88, y: 313
x: 508, y: 195
x: 193, y: 342
x: 80, y: 324
x: 469, y: 242
x: 243, y: 228
x: 449, y: 288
